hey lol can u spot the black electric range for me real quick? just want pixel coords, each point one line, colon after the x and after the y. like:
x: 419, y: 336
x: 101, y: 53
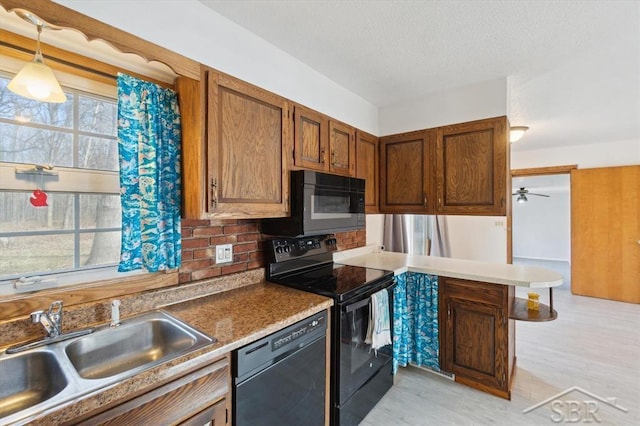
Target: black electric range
x: 360, y: 376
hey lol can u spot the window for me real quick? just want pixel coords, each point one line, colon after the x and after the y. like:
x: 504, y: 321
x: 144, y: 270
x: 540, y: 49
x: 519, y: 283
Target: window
x: 418, y: 233
x: 80, y: 227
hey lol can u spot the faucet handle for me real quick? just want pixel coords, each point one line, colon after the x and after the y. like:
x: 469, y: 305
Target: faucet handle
x: 55, y: 308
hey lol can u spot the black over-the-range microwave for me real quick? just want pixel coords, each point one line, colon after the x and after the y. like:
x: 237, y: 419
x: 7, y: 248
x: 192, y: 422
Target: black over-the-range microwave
x: 321, y: 203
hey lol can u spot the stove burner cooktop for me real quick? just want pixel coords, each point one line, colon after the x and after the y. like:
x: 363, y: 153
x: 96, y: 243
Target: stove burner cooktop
x: 340, y: 282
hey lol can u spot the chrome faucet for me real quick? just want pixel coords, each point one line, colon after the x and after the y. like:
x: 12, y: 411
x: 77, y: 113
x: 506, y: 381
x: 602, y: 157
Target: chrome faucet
x: 51, y: 320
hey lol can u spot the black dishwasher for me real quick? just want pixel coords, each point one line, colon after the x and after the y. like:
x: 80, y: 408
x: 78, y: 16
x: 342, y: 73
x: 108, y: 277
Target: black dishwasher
x: 281, y: 379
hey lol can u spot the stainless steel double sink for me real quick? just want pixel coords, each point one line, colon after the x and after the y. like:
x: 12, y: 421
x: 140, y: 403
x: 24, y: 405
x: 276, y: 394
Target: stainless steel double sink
x: 37, y: 380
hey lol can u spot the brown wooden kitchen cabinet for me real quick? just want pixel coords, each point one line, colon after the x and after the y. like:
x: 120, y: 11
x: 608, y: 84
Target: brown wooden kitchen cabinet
x: 197, y: 398
x: 406, y: 173
x: 311, y: 138
x: 477, y: 338
x: 367, y: 168
x: 236, y: 148
x: 472, y: 168
x: 248, y: 148
x: 342, y: 148
x: 323, y: 144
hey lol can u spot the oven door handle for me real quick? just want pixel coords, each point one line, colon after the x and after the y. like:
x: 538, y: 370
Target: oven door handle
x: 357, y: 305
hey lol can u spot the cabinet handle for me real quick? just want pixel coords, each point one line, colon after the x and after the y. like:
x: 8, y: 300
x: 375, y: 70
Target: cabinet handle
x: 323, y: 155
x: 286, y: 204
x: 449, y: 312
x: 333, y: 157
x: 214, y: 193
x: 425, y: 200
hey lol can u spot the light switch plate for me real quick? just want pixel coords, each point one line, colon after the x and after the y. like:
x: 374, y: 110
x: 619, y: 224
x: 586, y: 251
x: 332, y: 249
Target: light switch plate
x: 224, y: 253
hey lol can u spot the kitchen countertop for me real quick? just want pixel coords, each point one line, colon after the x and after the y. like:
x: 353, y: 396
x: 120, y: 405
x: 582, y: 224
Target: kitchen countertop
x: 515, y: 275
x: 235, y: 318
x: 238, y: 317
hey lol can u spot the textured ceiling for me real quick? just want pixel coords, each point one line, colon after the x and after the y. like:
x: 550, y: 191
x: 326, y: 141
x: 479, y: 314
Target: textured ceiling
x: 573, y: 67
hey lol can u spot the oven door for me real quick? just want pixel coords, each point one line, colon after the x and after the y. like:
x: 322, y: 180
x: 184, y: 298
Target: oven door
x: 357, y: 361
x: 329, y: 209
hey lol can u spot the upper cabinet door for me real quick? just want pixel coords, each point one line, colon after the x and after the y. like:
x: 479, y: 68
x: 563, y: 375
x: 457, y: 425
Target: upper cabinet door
x: 311, y: 139
x: 248, y: 145
x: 406, y: 182
x: 472, y: 168
x: 342, y: 149
x: 367, y: 168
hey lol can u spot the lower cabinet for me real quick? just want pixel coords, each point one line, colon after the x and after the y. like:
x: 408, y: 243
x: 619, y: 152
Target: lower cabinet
x: 197, y: 398
x: 477, y: 338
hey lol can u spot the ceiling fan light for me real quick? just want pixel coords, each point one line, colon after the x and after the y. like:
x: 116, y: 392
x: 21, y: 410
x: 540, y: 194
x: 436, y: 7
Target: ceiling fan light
x: 516, y: 133
x: 521, y: 198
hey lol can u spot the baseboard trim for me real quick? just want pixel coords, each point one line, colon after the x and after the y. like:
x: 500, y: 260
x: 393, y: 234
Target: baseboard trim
x: 440, y: 373
x: 543, y: 258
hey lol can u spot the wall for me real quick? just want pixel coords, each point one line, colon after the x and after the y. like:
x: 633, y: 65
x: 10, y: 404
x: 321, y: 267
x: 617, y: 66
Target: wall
x: 615, y: 153
x: 481, y: 238
x: 199, y: 238
x: 197, y: 32
x: 542, y: 226
x: 467, y: 103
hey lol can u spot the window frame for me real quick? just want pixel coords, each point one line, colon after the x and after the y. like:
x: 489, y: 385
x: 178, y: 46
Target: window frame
x: 69, y: 180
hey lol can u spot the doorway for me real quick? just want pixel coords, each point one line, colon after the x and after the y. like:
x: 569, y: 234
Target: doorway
x: 541, y: 220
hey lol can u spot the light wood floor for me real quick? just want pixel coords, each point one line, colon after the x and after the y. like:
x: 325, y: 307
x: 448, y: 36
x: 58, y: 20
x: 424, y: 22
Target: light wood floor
x: 594, y: 344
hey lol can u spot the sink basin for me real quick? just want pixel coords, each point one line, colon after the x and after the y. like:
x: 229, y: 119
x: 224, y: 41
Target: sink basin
x: 29, y: 379
x: 137, y: 343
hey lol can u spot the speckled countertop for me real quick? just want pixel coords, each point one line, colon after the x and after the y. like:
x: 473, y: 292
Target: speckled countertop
x: 235, y: 318
x: 241, y: 316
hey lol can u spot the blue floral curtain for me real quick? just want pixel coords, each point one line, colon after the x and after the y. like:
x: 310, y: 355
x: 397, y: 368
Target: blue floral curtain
x: 415, y: 321
x: 149, y: 152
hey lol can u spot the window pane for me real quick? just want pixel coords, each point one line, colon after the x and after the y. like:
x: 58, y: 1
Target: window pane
x: 16, y: 107
x: 98, y: 153
x: 100, y: 211
x: 97, y: 115
x: 18, y: 214
x: 23, y: 144
x: 29, y: 255
x: 99, y: 248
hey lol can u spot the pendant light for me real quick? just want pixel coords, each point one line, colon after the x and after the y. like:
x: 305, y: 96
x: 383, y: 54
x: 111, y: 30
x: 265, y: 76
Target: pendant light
x: 36, y: 80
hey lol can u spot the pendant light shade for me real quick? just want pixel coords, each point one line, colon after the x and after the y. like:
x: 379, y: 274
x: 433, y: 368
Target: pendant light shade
x: 36, y: 80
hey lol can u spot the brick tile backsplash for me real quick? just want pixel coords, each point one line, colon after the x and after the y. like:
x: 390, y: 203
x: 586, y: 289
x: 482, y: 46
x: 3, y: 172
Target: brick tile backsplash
x: 199, y: 238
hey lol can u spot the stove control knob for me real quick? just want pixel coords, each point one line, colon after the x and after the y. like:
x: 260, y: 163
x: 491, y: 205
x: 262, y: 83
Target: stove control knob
x: 278, y: 249
x: 287, y: 249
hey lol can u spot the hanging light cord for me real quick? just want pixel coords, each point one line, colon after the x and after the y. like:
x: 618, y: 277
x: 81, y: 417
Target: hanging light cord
x: 38, y: 56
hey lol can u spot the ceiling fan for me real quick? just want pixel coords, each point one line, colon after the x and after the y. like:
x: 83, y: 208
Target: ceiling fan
x: 522, y: 195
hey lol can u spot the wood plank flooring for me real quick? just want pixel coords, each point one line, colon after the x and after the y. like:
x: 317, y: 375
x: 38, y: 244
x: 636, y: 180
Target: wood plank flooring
x: 594, y: 344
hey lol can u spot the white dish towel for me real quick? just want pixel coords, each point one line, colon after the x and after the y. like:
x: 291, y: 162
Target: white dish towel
x: 379, y: 329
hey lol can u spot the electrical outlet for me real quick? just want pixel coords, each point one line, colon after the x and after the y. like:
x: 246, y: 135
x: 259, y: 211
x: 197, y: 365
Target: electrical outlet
x: 224, y: 253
